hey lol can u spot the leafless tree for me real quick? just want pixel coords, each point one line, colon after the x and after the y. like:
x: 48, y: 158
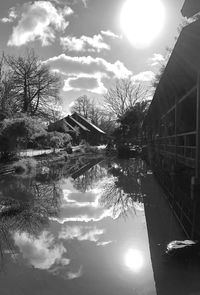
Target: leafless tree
x: 93, y: 111
x: 124, y: 95
x: 82, y: 106
x: 7, y: 91
x: 36, y: 87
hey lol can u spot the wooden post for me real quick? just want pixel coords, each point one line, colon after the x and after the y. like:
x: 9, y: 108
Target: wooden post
x: 197, y: 164
x: 176, y: 141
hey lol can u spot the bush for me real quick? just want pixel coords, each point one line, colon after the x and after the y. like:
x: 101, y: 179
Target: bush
x: 17, y: 133
x: 25, y: 166
x: 89, y: 149
x: 58, y: 139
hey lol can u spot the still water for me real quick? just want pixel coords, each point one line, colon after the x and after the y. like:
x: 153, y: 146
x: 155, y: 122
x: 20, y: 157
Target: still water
x: 92, y: 227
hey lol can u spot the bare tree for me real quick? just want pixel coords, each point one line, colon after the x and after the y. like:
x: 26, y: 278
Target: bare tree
x: 124, y: 95
x: 82, y: 106
x: 87, y: 108
x: 7, y: 92
x: 36, y: 87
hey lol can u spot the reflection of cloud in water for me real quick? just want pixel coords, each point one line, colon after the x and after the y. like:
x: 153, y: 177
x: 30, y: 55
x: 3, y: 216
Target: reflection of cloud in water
x: 81, y: 233
x: 77, y: 199
x: 83, y: 207
x: 41, y: 252
x: 105, y: 200
x: 74, y: 275
x: 90, y: 215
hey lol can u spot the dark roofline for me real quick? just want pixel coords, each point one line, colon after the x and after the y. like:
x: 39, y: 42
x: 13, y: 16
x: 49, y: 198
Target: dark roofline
x: 69, y: 125
x: 76, y: 122
x: 187, y: 52
x: 190, y: 8
x: 94, y: 126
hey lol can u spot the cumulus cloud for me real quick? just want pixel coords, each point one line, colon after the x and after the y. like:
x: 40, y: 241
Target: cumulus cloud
x: 39, y: 20
x: 110, y: 34
x: 84, y: 43
x: 146, y: 76
x: 81, y: 233
x: 73, y: 65
x: 12, y: 15
x: 156, y: 60
x: 41, y: 252
x: 86, y: 72
x: 91, y: 83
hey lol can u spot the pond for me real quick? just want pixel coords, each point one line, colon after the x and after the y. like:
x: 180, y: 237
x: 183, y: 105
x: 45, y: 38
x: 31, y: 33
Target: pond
x: 94, y: 227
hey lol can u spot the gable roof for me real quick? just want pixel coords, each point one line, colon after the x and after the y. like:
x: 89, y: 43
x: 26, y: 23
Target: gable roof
x: 69, y: 125
x: 91, y: 124
x: 190, y: 8
x: 77, y: 123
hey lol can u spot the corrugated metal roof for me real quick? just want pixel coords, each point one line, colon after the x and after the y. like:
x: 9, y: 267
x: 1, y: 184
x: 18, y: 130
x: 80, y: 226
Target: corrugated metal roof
x: 94, y: 126
x: 69, y: 125
x: 79, y: 124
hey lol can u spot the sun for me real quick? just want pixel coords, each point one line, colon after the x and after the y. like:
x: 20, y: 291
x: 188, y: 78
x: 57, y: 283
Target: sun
x: 142, y: 21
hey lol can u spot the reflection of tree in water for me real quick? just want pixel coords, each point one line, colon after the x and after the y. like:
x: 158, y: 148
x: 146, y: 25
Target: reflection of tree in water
x: 123, y: 191
x: 89, y: 178
x: 25, y: 206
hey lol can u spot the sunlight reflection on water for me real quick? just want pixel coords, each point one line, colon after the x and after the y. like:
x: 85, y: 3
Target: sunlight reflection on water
x: 134, y: 260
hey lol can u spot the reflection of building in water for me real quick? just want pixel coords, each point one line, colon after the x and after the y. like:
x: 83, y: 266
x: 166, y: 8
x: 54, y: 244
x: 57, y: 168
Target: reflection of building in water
x: 88, y: 174
x: 171, y: 276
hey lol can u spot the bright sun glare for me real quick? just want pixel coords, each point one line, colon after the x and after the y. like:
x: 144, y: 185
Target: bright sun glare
x: 142, y: 21
x: 134, y: 260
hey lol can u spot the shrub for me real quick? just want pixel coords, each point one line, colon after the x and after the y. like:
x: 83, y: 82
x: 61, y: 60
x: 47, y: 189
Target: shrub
x: 25, y: 166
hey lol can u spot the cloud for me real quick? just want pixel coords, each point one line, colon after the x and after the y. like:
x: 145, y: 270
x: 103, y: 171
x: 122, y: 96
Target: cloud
x: 81, y: 233
x: 110, y: 34
x: 87, y: 73
x: 81, y: 214
x: 73, y: 65
x: 85, y: 2
x: 67, y: 11
x: 90, y: 83
x: 71, y: 2
x: 39, y: 20
x: 41, y: 252
x: 103, y: 244
x: 12, y: 15
x: 76, y: 210
x: 84, y: 43
x: 74, y: 275
x: 146, y: 76
x: 156, y: 60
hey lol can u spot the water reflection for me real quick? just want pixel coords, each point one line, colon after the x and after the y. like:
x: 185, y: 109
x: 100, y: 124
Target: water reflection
x: 63, y: 229
x: 123, y: 191
x: 25, y: 208
x: 134, y: 259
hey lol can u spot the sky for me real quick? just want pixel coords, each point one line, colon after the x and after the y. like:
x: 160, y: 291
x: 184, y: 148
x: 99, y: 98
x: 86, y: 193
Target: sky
x: 86, y: 43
